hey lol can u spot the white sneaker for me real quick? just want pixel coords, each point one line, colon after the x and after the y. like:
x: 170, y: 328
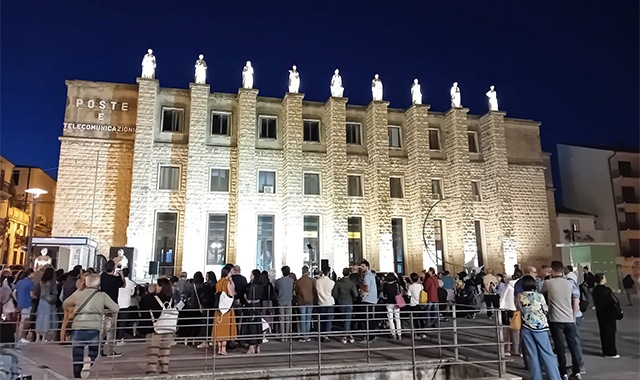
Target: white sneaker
x: 24, y: 341
x: 344, y: 340
x: 613, y: 357
x: 86, y: 368
x: 203, y: 345
x: 120, y: 343
x: 351, y: 340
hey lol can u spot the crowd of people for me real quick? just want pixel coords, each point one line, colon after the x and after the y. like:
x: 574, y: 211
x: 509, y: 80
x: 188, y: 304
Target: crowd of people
x: 234, y: 311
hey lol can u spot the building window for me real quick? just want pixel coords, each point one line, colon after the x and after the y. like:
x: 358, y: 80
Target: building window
x: 394, y: 137
x: 15, y: 177
x: 575, y: 225
x: 169, y: 178
x: 354, y: 226
x: 311, y: 184
x: 219, y: 180
x: 165, y: 241
x: 434, y: 139
x: 624, y: 167
x: 354, y: 186
x: 311, y: 241
x: 395, y: 184
x: 267, y: 182
x: 476, y: 191
x: 353, y: 134
x: 438, y: 236
x: 172, y: 119
x: 268, y: 127
x: 220, y: 122
x: 397, y: 237
x: 436, y: 189
x: 217, y: 239
x: 264, y: 260
x: 473, y: 142
x: 479, y: 244
x: 311, y: 130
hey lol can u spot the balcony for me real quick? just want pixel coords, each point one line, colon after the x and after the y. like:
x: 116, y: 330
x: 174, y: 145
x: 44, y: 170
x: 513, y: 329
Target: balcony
x: 620, y: 199
x: 629, y: 226
x: 616, y: 173
x: 5, y: 190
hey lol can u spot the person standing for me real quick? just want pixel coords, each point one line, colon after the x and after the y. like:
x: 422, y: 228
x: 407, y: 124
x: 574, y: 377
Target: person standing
x: 344, y: 293
x: 225, y: 328
x: 182, y: 283
x: 627, y: 284
x: 588, y: 278
x: 608, y: 311
x: 110, y: 283
x: 508, y: 305
x: 284, y: 291
x: 23, y: 293
x: 431, y: 287
x: 125, y: 314
x: 324, y: 289
x: 369, y: 294
x: 158, y: 345
x: 305, y: 289
x: 414, y: 291
x: 252, y: 324
x: 491, y: 295
x: 390, y: 289
x: 46, y: 292
x: 564, y: 304
x: 448, y: 281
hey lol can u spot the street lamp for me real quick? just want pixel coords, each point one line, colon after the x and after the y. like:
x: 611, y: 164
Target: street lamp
x: 36, y: 192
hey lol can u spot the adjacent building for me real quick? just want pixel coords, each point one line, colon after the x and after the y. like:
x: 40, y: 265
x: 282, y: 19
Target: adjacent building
x: 194, y: 179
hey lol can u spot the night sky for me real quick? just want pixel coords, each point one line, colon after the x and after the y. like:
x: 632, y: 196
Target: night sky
x: 572, y: 65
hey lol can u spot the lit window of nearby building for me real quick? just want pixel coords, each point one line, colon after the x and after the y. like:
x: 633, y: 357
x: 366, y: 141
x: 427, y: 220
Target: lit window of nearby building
x: 353, y: 134
x: 476, y: 190
x: 169, y: 177
x: 267, y: 182
x: 311, y: 129
x: 397, y: 238
x: 311, y: 241
x: 473, y: 142
x: 172, y: 119
x: 438, y: 236
x: 219, y: 180
x: 436, y: 189
x: 268, y: 127
x: 394, y: 137
x: 354, y: 185
x: 434, y: 139
x: 354, y: 225
x: 217, y: 239
x: 15, y: 177
x: 165, y: 242
x: 220, y: 122
x: 395, y: 184
x: 264, y: 259
x: 311, y: 184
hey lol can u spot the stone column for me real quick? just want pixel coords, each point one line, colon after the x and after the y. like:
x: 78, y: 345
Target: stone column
x: 141, y: 217
x: 460, y: 224
x: 292, y: 134
x: 418, y: 189
x: 195, y: 231
x: 336, y: 181
x: 499, y: 233
x: 376, y: 188
x: 242, y: 186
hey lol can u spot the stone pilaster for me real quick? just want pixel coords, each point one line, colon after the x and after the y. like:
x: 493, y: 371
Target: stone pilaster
x: 140, y: 230
x: 460, y: 224
x: 292, y: 134
x: 499, y: 232
x: 418, y: 189
x: 243, y: 184
x: 336, y: 180
x: 376, y: 188
x: 197, y: 181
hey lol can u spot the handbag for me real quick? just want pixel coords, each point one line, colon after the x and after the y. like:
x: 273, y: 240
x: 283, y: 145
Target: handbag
x: 167, y: 322
x: 400, y: 303
x: 424, y: 297
x: 225, y: 302
x: 516, y: 321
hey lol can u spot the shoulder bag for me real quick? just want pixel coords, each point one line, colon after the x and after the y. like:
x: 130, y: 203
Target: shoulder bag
x: 516, y: 321
x: 400, y: 303
x: 73, y: 314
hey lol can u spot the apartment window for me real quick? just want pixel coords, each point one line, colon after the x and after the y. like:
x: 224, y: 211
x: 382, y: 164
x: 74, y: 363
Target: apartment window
x: 354, y: 226
x: 311, y: 241
x: 172, y: 119
x: 311, y: 130
x: 479, y: 242
x: 575, y: 225
x: 15, y: 177
x: 2, y: 175
x: 219, y: 180
x: 473, y: 142
x: 165, y: 241
x: 311, y: 184
x: 354, y: 186
x: 438, y: 236
x: 394, y: 137
x: 169, y: 178
x: 217, y: 239
x: 628, y: 194
x: 625, y: 168
x: 220, y: 123
x: 266, y: 182
x: 268, y: 127
x: 434, y: 139
x: 353, y: 134
x: 397, y: 237
x: 436, y: 189
x: 264, y: 261
x: 476, y: 191
x: 395, y: 184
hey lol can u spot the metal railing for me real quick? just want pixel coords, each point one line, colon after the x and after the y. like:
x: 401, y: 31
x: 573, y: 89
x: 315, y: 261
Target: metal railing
x: 429, y: 339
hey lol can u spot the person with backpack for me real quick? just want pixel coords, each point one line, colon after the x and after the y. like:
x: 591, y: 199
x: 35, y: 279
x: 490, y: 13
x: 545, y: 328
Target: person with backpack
x: 491, y: 295
x: 391, y: 291
x: 158, y: 324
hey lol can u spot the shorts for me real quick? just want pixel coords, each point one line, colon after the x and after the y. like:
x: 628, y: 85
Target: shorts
x: 25, y: 313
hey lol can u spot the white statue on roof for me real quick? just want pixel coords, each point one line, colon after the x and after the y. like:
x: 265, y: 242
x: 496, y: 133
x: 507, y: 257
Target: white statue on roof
x: 376, y: 88
x: 416, y: 94
x: 294, y: 80
x: 493, y: 99
x: 149, y: 65
x: 455, y: 96
x: 201, y: 70
x: 336, y: 85
x: 247, y: 76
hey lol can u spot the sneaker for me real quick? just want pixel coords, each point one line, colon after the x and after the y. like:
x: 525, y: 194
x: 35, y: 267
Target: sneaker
x: 351, y: 340
x: 613, y: 357
x: 24, y: 341
x: 507, y: 354
x: 344, y: 340
x: 565, y: 377
x: 423, y: 336
x: 120, y: 343
x: 203, y: 345
x: 575, y: 376
x: 114, y: 355
x: 86, y: 368
x: 307, y: 340
x: 302, y: 340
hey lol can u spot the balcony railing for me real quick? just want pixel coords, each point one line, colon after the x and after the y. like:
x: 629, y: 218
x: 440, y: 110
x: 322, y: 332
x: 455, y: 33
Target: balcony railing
x: 629, y: 226
x: 616, y: 173
x: 620, y: 199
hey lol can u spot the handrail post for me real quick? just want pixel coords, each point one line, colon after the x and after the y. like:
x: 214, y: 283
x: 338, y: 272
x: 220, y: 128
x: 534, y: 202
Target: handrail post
x: 289, y: 337
x: 439, y: 330
x: 501, y: 363
x: 455, y: 332
x: 369, y: 331
x: 413, y: 346
x: 319, y: 347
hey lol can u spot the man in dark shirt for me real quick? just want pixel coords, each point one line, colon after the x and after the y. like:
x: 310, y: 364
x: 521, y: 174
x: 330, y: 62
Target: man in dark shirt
x: 110, y: 283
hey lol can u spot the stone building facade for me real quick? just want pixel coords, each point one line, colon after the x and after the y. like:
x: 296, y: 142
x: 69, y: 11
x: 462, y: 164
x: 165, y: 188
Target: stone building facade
x: 195, y: 179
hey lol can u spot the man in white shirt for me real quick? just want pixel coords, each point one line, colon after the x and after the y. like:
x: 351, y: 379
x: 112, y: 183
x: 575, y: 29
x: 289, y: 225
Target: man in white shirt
x: 419, y: 316
x: 125, y: 315
x: 324, y: 288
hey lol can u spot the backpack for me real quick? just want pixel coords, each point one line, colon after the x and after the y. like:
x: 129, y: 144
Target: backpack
x: 584, y: 297
x: 167, y: 322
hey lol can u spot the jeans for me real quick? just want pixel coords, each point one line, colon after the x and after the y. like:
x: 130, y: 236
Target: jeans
x: 345, y: 312
x: 326, y: 314
x: 370, y: 322
x: 539, y: 353
x: 284, y: 311
x: 393, y: 316
x: 432, y: 314
x: 79, y: 340
x: 126, y: 318
x: 305, y: 320
x: 570, y: 333
x: 419, y: 320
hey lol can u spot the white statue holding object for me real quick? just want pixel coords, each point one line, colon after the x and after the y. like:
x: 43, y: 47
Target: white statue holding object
x: 455, y: 96
x: 376, y: 88
x: 416, y: 94
x: 42, y: 261
x: 247, y: 76
x: 201, y: 70
x: 294, y: 80
x: 493, y: 99
x: 121, y: 261
x: 336, y: 85
x: 149, y: 65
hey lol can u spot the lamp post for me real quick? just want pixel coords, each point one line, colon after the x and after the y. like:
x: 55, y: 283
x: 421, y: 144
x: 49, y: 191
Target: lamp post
x: 36, y: 192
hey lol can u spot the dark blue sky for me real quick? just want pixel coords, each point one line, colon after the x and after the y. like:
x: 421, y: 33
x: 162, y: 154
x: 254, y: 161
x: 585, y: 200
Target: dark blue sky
x: 572, y: 65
